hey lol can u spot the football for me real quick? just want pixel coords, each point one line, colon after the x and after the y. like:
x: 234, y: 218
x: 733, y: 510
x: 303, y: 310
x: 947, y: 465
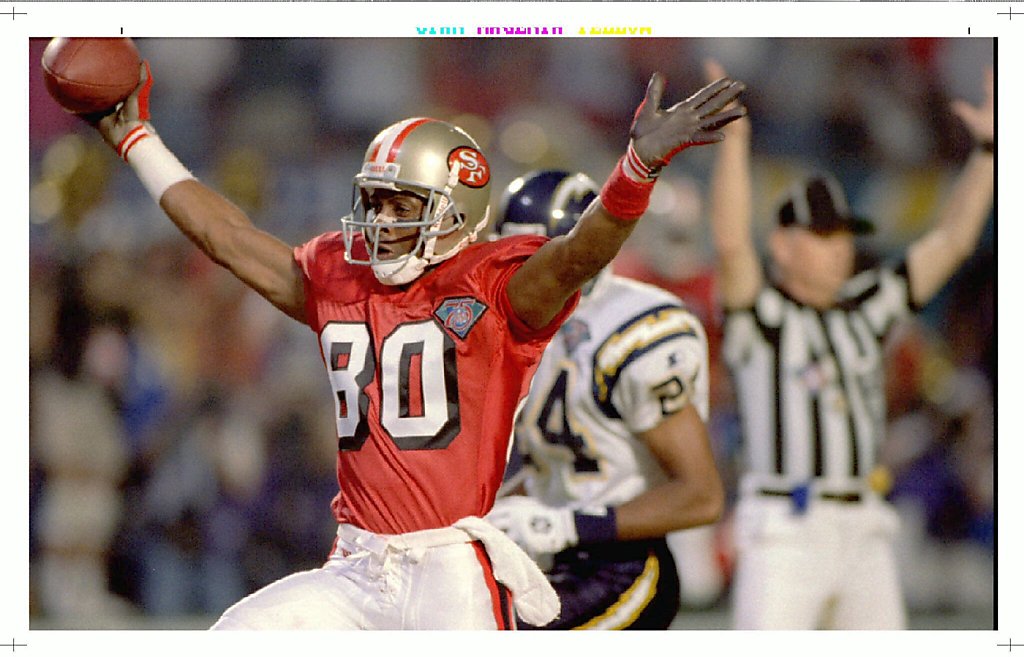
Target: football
x: 90, y: 75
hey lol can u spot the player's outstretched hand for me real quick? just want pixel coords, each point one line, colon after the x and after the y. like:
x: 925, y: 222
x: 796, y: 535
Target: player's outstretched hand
x: 537, y: 528
x: 980, y: 120
x: 740, y: 128
x: 118, y: 126
x: 658, y: 134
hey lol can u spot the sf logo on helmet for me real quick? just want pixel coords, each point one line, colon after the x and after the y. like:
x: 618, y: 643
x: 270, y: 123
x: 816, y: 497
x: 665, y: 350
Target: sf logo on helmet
x: 473, y: 168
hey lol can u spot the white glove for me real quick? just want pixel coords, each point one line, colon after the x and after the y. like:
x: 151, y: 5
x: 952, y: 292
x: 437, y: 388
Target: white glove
x: 537, y: 528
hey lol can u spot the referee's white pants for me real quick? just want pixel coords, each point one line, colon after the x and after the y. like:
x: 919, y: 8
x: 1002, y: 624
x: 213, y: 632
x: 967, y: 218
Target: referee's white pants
x: 832, y: 566
x: 434, y: 579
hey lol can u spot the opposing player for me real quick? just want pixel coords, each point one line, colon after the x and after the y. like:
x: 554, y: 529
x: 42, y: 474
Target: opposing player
x: 615, y: 449
x: 814, y: 536
x: 429, y: 343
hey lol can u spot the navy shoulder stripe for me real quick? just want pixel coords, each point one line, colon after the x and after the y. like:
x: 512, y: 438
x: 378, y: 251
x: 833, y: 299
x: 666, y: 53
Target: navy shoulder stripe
x: 630, y: 341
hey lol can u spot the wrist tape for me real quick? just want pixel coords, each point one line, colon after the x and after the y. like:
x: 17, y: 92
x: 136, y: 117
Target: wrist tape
x: 627, y: 191
x: 155, y: 165
x: 592, y: 528
x: 134, y: 136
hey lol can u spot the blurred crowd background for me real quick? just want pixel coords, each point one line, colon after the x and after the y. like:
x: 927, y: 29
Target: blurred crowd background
x: 181, y: 432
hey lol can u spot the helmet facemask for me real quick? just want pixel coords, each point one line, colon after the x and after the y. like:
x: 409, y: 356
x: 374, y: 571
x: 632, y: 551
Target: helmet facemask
x: 439, y: 219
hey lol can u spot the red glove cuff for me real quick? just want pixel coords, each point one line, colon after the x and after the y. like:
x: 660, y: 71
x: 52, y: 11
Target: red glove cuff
x: 144, y: 93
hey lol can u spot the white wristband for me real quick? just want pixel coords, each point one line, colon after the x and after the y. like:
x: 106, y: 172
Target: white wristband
x: 155, y: 165
x: 635, y: 169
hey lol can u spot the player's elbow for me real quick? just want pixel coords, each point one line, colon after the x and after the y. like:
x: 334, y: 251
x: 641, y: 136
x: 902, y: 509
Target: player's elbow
x: 711, y: 502
x: 706, y: 501
x: 697, y: 504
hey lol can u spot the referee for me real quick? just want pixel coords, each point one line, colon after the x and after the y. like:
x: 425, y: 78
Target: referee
x: 803, y: 339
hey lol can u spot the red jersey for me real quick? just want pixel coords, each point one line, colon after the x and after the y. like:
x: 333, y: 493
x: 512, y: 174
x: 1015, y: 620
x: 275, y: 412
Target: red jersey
x: 427, y: 378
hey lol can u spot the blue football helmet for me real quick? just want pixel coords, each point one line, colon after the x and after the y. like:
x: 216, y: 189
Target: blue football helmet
x: 547, y: 202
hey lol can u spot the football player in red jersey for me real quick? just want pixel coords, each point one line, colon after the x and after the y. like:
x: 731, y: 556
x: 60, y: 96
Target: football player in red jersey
x: 429, y: 343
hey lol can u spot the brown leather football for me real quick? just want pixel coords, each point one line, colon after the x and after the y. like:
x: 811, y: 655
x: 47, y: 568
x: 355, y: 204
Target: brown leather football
x: 87, y: 75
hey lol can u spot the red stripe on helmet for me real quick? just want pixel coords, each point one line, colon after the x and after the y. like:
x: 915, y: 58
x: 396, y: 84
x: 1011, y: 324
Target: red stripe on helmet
x: 397, y: 143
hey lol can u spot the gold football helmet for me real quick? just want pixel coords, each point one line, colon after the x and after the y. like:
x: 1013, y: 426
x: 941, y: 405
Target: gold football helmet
x: 441, y: 164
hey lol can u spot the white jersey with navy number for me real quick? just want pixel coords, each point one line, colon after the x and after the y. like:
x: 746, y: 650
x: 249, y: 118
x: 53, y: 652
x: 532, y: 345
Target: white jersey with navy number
x: 628, y: 356
x: 810, y: 383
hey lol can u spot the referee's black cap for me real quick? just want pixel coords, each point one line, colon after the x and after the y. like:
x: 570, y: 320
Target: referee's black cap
x: 819, y: 205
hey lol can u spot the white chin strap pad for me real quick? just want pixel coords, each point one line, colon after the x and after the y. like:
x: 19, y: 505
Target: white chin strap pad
x: 399, y: 273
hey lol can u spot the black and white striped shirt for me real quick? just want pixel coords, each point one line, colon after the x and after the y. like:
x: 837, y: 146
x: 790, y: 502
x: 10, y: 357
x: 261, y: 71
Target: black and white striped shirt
x: 809, y: 383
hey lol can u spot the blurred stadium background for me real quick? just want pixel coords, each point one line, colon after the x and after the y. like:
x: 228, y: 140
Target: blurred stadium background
x: 181, y: 433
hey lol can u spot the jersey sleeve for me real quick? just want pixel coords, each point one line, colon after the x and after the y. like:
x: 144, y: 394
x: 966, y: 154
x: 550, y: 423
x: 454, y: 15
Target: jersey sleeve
x: 314, y: 259
x: 503, y: 265
x: 653, y: 366
x: 744, y: 327
x: 883, y: 296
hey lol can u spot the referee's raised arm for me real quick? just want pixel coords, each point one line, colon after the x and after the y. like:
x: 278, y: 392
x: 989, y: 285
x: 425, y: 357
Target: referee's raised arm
x: 936, y: 255
x: 739, y: 270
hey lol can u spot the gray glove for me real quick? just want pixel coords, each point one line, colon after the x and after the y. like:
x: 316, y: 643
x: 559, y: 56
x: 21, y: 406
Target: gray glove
x: 658, y: 134
x: 120, y: 126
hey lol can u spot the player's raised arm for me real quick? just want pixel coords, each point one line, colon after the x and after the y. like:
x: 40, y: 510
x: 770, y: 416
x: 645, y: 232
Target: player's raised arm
x: 218, y: 227
x: 540, y: 288
x: 935, y: 256
x: 731, y: 211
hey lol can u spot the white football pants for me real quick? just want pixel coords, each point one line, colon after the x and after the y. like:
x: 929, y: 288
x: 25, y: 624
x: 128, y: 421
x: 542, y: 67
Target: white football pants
x: 369, y: 583
x: 831, y: 566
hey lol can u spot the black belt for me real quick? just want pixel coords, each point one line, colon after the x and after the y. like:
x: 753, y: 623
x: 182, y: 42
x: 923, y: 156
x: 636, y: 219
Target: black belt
x: 847, y: 498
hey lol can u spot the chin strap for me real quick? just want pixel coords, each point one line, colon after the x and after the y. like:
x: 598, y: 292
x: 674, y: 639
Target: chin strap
x: 440, y: 211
